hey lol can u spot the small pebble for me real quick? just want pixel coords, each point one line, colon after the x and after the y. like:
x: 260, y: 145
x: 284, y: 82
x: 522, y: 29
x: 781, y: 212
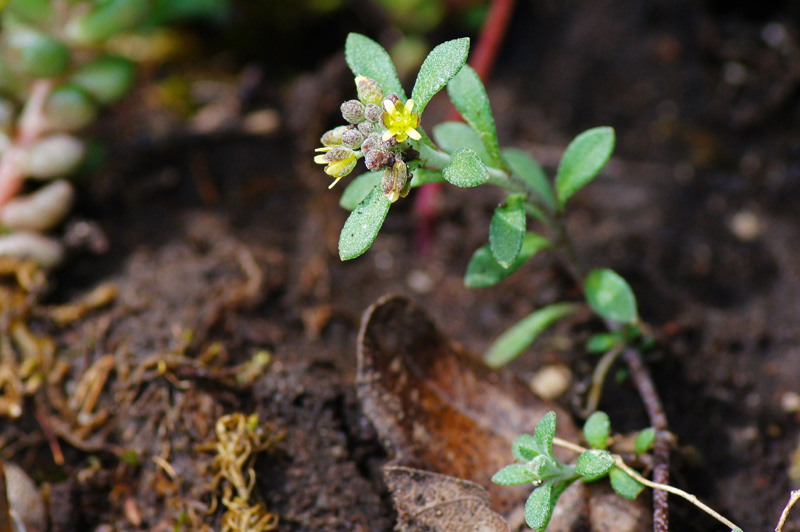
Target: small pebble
x: 420, y: 282
x: 745, y: 225
x: 551, y: 381
x: 790, y: 402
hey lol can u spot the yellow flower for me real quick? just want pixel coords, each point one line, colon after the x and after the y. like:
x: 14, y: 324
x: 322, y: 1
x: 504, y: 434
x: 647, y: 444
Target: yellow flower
x: 339, y: 161
x: 400, y: 122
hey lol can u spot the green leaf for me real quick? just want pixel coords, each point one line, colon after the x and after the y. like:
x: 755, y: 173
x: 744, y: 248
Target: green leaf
x: 484, y: 271
x: 465, y: 169
x: 453, y: 135
x: 439, y: 67
x: 358, y: 189
x: 423, y: 176
x: 597, y: 429
x: 545, y: 432
x: 610, y: 296
x: 532, y: 173
x: 365, y: 57
x: 625, y: 485
x: 602, y: 342
x: 524, y: 448
x: 507, y: 230
x: 644, y: 440
x: 516, y: 339
x: 35, y: 53
x: 469, y: 96
x: 538, y: 508
x: 107, y: 78
x: 363, y: 224
x: 582, y: 160
x: 514, y: 474
x: 594, y: 464
x: 106, y: 19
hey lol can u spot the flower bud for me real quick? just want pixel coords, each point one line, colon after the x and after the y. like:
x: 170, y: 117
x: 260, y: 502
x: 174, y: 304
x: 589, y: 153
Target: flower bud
x: 353, y: 111
x: 352, y: 138
x: 339, y: 161
x: 366, y: 128
x: 369, y: 90
x: 106, y: 79
x: 69, y: 108
x: 371, y: 142
x: 376, y: 159
x: 48, y: 252
x: 54, y: 156
x: 40, y: 211
x: 373, y: 112
x: 334, y: 136
x: 394, y: 183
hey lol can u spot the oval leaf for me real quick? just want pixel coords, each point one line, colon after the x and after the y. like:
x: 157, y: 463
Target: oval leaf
x: 514, y: 474
x: 644, y: 440
x: 624, y: 484
x: 516, y: 339
x: 597, y: 429
x: 582, y: 160
x: 465, y: 169
x: 469, y: 96
x: 507, y: 231
x: 358, y: 189
x: 610, y: 296
x: 594, y: 463
x: 532, y: 173
x: 439, y: 67
x: 365, y: 57
x: 538, y: 508
x: 544, y: 433
x: 453, y: 135
x: 363, y: 224
x: 524, y: 448
x: 602, y: 342
x: 484, y: 271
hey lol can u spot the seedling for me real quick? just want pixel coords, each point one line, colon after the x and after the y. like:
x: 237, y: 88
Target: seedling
x: 385, y: 129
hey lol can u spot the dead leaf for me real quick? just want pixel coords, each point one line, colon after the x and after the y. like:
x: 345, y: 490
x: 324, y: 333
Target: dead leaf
x: 431, y: 502
x: 439, y: 408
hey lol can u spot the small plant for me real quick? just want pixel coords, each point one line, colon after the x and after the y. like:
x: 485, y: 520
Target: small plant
x: 538, y: 466
x: 61, y: 61
x: 385, y: 129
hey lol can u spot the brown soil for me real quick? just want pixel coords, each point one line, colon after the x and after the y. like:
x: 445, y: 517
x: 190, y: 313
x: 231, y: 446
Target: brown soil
x: 233, y: 237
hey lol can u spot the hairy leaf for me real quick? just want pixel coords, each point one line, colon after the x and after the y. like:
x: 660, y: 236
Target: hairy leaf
x: 365, y: 57
x: 465, y: 169
x: 594, y: 464
x: 469, y: 96
x: 514, y: 474
x: 439, y: 67
x: 539, y: 507
x: 644, y: 440
x: 507, y: 230
x: 358, y: 189
x: 532, y: 173
x: 484, y: 271
x: 524, y: 448
x: 363, y: 224
x: 451, y: 136
x: 597, y: 429
x: 582, y: 161
x: 625, y: 485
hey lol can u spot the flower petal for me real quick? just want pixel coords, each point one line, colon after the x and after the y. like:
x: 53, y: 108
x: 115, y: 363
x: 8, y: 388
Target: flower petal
x: 413, y: 133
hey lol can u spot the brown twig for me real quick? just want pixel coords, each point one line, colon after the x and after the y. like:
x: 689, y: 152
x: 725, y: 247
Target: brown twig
x: 661, y: 445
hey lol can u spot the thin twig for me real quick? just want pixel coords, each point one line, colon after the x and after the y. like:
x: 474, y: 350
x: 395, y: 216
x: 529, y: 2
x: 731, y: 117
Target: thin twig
x: 657, y: 486
x: 598, y: 378
x: 793, y: 498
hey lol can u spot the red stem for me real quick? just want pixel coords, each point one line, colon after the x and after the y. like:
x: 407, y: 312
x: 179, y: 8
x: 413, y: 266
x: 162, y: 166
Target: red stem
x: 483, y: 59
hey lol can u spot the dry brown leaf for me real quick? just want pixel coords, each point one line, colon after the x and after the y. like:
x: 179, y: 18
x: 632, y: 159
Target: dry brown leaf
x: 438, y: 408
x: 439, y: 503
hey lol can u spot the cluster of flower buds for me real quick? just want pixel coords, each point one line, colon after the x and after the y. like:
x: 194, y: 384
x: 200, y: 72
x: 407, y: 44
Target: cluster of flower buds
x: 377, y: 128
x: 58, y: 67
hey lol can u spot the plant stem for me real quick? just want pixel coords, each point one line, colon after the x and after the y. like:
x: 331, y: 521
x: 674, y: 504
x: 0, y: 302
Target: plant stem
x: 793, y: 498
x: 620, y: 463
